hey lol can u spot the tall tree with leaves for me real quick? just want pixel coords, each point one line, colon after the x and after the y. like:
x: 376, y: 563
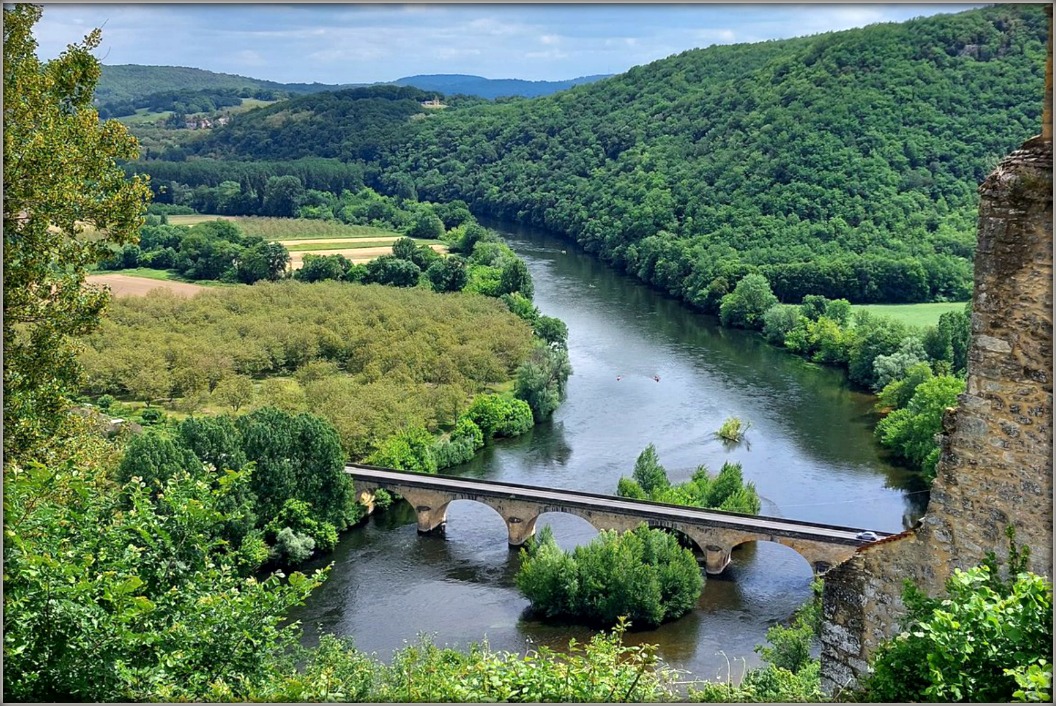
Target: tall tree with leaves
x: 61, y: 178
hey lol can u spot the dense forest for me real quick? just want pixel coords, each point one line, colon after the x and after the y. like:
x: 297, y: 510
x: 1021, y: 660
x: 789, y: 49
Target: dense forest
x: 843, y: 164
x: 351, y: 124
x: 129, y: 82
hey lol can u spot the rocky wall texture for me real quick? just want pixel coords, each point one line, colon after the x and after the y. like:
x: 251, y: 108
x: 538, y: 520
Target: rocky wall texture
x: 996, y: 463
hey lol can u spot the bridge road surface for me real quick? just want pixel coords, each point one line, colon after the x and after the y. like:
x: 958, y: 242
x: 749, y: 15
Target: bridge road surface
x: 830, y: 534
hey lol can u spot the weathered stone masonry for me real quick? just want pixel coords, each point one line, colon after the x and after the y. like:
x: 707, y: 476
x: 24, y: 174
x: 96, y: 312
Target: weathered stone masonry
x: 996, y: 463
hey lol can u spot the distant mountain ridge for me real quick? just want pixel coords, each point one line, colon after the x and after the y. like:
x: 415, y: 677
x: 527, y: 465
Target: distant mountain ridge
x: 127, y: 82
x: 491, y: 88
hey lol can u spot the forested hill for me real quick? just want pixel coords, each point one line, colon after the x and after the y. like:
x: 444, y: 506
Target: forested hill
x: 491, y: 88
x: 351, y: 124
x: 128, y: 82
x: 844, y: 164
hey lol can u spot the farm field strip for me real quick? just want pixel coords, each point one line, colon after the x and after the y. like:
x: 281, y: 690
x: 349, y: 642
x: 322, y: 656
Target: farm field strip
x: 325, y: 244
x: 356, y: 255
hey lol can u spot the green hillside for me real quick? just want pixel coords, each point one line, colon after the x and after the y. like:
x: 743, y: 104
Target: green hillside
x: 352, y: 124
x: 843, y: 164
x: 127, y: 82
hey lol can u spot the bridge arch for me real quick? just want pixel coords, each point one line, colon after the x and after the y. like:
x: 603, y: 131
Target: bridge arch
x: 471, y: 509
x: 819, y: 557
x: 570, y: 528
x: 686, y: 540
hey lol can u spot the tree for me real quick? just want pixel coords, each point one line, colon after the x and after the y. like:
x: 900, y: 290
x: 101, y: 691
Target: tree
x: 911, y: 431
x: 296, y: 456
x: 515, y: 278
x: 888, y: 368
x: 51, y: 128
x: 283, y: 195
x: 540, y: 381
x: 234, y: 391
x: 642, y: 575
x: 426, y: 226
x: 130, y: 596
x: 263, y: 261
x: 392, y: 271
x: 648, y: 472
x: 745, y: 306
x: 317, y: 268
x: 448, y: 274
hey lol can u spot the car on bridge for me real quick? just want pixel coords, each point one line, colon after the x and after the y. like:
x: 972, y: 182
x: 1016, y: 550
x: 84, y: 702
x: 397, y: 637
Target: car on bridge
x: 867, y: 536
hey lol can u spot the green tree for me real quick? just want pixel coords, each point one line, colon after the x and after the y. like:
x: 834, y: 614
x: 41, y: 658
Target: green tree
x: 131, y: 597
x: 408, y: 450
x: 448, y: 274
x: 540, y: 381
x: 988, y: 639
x: 154, y: 459
x: 234, y: 391
x: 745, y: 306
x: 911, y: 431
x: 283, y: 195
x: 263, y: 261
x: 296, y: 456
x: 648, y: 472
x: 642, y: 575
x: 427, y: 226
x: 51, y: 128
x: 516, y: 278
x: 392, y: 271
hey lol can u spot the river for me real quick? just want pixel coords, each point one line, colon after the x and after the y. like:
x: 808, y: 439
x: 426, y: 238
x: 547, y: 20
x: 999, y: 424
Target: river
x: 809, y: 451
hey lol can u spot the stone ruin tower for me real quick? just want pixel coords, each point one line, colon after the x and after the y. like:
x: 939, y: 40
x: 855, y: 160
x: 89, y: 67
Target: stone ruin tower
x: 996, y: 464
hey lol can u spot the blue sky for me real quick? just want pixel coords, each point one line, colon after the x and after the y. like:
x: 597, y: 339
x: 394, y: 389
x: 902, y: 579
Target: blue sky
x: 382, y: 42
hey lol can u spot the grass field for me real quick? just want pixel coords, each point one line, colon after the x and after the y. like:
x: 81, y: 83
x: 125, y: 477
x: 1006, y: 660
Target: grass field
x: 921, y: 315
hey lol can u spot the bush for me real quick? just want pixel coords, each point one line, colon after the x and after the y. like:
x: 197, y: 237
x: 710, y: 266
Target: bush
x: 642, y: 575
x: 104, y: 402
x: 409, y: 450
x: 726, y: 491
x: 292, y: 547
x: 499, y: 416
x: 987, y: 639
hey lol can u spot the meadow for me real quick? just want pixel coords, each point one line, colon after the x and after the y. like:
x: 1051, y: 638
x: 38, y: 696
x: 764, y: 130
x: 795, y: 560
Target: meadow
x: 917, y: 315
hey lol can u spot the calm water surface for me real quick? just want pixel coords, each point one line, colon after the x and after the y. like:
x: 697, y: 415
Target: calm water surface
x: 809, y: 451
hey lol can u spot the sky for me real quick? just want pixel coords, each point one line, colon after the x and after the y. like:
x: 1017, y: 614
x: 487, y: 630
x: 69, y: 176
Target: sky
x: 367, y: 43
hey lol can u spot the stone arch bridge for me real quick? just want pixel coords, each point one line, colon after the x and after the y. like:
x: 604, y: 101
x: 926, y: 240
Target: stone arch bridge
x: 714, y: 532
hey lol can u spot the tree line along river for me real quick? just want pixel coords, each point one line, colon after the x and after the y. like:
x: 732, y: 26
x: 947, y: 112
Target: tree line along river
x: 809, y: 451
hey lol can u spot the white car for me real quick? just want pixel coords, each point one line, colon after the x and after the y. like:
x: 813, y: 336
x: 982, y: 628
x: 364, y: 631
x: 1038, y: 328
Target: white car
x: 867, y: 536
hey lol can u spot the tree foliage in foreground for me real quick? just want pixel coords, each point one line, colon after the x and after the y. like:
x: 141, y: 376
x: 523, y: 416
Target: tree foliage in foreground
x: 988, y: 639
x: 60, y: 177
x: 131, y: 595
x: 642, y: 575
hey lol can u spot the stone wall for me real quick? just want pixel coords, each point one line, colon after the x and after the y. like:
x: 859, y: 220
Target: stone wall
x: 996, y: 463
